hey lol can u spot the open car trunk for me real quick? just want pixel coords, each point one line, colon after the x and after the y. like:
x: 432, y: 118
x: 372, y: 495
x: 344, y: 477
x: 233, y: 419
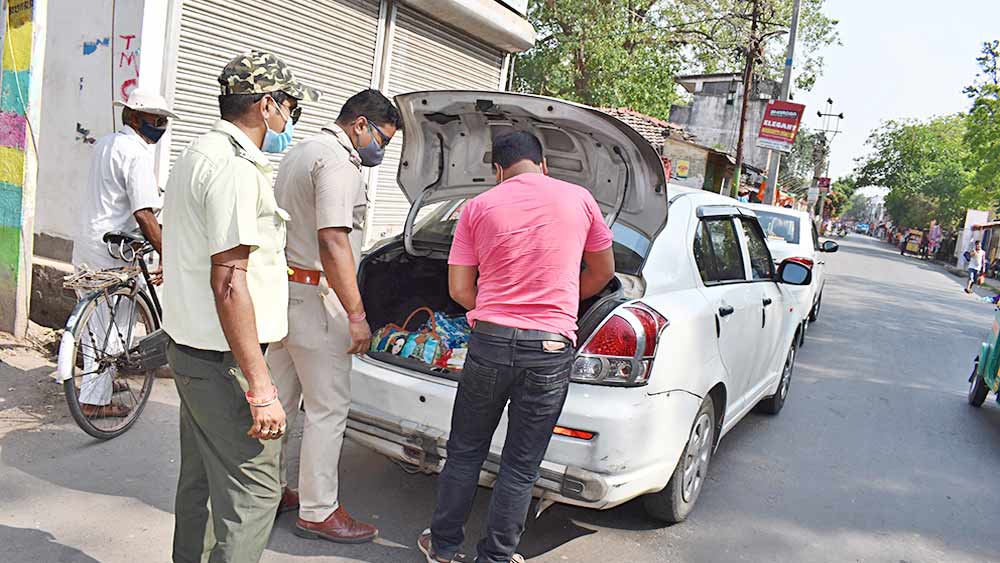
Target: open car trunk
x: 394, y: 283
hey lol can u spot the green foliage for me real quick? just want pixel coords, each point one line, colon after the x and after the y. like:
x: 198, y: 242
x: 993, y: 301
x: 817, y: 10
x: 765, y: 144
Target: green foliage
x: 796, y: 173
x: 982, y: 133
x: 924, y: 165
x: 841, y: 198
x: 626, y: 52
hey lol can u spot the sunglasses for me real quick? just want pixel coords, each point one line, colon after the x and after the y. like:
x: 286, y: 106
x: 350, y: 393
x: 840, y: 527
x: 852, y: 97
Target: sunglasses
x: 384, y: 138
x: 294, y: 114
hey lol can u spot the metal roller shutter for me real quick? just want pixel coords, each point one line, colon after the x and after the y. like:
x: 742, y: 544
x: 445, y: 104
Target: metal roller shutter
x: 426, y: 55
x: 329, y: 44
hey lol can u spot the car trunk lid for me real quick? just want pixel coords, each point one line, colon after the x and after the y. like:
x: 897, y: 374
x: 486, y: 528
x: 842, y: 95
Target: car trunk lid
x: 448, y: 137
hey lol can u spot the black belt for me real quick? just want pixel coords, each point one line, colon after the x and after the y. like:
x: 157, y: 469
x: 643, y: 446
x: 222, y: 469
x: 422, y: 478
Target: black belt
x: 500, y: 331
x: 214, y: 356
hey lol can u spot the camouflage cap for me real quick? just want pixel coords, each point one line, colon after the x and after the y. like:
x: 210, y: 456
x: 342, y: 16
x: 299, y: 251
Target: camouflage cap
x: 260, y: 72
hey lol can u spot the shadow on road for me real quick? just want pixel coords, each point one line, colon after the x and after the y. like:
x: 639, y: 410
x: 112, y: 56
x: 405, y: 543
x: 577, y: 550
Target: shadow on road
x: 40, y: 544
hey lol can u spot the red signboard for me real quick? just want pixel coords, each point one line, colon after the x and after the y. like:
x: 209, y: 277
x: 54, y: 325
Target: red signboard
x: 780, y: 125
x: 823, y: 184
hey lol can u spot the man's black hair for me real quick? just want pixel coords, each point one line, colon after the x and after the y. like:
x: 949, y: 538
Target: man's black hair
x: 233, y: 106
x: 373, y: 105
x: 510, y: 148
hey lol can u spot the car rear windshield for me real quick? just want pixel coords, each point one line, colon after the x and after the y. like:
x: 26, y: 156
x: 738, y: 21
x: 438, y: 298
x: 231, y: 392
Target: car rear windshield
x: 778, y: 226
x: 436, y: 225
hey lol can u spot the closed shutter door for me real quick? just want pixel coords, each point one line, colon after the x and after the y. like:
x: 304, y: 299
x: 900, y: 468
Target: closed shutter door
x: 426, y: 55
x: 329, y: 45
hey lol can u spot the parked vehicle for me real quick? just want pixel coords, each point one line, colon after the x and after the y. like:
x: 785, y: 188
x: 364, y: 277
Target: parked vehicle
x: 791, y: 234
x: 985, y: 378
x: 691, y: 334
x: 862, y: 228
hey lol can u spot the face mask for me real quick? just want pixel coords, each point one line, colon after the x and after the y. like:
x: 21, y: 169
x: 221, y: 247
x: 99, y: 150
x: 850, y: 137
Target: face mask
x: 372, y: 154
x: 278, y: 142
x: 152, y: 133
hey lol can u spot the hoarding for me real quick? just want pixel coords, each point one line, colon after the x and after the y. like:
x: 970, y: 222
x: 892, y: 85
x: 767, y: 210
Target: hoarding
x: 780, y: 125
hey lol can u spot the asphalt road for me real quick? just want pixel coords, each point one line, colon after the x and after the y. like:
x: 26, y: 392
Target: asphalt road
x: 876, y: 457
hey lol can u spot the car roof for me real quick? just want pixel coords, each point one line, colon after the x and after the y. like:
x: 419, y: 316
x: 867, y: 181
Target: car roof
x: 779, y: 210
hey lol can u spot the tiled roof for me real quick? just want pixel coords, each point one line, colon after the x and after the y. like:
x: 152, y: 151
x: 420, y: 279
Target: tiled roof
x: 652, y: 128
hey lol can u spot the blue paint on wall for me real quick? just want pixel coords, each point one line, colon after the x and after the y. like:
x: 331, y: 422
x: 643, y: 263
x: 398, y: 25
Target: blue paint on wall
x: 10, y: 205
x: 14, y: 94
x: 90, y: 46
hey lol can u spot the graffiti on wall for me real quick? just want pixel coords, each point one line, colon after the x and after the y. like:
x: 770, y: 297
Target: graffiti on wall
x: 16, y: 75
x: 128, y: 64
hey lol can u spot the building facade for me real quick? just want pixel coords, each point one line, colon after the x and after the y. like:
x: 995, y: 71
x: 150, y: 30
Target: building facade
x: 100, y: 50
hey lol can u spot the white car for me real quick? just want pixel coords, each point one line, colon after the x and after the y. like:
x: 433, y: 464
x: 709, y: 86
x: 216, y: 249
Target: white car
x: 791, y: 234
x: 692, y: 333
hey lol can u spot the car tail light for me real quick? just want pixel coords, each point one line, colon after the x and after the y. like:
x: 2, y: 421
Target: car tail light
x: 621, y: 351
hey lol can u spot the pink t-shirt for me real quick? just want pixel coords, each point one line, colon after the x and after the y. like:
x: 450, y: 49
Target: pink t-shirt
x: 527, y: 235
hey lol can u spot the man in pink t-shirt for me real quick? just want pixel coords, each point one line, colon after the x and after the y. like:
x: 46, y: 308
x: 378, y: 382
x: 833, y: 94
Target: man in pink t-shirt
x: 515, y: 264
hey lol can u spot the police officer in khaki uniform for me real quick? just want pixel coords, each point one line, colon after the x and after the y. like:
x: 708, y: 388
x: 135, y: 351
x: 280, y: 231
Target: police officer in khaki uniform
x: 321, y: 185
x: 224, y: 298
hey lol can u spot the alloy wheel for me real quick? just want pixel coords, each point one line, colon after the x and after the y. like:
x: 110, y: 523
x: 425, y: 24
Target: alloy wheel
x: 696, y: 457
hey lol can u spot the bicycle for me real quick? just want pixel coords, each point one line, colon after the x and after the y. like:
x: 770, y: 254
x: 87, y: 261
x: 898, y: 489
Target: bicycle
x: 112, y: 344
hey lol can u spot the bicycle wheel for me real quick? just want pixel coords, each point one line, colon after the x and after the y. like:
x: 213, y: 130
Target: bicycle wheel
x: 108, y: 390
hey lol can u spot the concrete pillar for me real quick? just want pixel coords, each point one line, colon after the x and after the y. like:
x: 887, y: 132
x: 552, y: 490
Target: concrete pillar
x: 20, y: 110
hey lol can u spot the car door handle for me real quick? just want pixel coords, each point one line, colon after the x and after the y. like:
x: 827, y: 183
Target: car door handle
x: 726, y: 310
x: 767, y: 301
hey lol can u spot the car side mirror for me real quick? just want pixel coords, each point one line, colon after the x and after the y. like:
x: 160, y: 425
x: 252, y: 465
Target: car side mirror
x: 829, y: 246
x: 794, y: 272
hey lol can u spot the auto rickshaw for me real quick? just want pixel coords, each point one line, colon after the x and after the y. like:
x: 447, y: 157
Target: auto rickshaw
x: 911, y: 242
x: 985, y: 377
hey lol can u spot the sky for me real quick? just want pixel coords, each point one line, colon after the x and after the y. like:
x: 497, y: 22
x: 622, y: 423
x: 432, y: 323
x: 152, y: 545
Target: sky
x: 899, y: 59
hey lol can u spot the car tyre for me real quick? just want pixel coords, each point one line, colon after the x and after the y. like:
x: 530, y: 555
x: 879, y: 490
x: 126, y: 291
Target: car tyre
x: 676, y: 501
x: 977, y: 388
x: 814, y: 314
x: 773, y: 404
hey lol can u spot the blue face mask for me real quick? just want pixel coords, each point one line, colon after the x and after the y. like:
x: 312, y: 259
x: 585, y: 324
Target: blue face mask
x: 152, y: 133
x: 278, y: 142
x: 372, y: 154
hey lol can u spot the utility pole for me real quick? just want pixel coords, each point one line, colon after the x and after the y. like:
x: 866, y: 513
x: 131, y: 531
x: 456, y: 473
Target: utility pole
x: 833, y: 128
x: 820, y: 153
x: 752, y: 50
x: 774, y: 165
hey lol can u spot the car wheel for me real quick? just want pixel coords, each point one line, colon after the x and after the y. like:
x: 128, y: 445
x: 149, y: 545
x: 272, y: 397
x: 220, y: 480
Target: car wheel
x: 774, y: 403
x: 814, y: 314
x: 977, y: 388
x: 677, y: 499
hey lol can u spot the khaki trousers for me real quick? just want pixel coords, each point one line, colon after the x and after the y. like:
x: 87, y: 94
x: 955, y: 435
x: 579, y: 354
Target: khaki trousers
x: 228, y: 489
x: 312, y: 365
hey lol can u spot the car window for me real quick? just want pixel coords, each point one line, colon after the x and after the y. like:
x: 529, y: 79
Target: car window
x: 779, y: 226
x: 717, y: 251
x: 761, y: 264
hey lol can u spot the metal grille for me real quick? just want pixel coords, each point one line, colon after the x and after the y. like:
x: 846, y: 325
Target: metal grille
x: 329, y: 44
x: 426, y: 55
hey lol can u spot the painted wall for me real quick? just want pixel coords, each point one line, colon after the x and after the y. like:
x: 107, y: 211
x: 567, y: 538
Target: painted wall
x: 696, y: 156
x: 92, y: 58
x: 15, y: 87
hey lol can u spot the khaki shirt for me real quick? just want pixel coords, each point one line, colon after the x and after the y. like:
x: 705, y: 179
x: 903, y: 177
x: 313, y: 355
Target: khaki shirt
x: 218, y: 197
x: 320, y: 184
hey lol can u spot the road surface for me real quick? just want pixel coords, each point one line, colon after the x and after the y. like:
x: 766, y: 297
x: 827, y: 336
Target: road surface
x: 876, y: 457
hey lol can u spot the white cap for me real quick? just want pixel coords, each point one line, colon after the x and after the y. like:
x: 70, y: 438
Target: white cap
x: 147, y: 102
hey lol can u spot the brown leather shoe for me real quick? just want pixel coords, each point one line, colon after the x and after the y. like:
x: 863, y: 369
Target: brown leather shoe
x: 289, y: 501
x: 340, y: 527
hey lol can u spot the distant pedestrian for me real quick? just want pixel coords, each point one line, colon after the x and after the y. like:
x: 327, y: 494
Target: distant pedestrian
x: 522, y: 298
x: 977, y: 261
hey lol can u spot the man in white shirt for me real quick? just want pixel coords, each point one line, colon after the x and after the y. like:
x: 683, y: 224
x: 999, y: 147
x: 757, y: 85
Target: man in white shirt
x: 977, y: 261
x: 120, y: 195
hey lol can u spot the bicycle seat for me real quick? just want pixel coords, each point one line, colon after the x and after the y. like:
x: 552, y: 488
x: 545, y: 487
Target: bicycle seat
x: 118, y: 237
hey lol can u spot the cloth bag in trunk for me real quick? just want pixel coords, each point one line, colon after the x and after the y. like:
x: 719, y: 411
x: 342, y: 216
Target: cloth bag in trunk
x: 424, y: 345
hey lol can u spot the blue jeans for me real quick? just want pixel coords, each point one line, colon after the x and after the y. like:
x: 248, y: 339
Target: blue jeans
x: 535, y: 383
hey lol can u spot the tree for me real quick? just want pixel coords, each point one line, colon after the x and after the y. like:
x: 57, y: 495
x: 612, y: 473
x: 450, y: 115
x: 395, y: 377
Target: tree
x: 797, y: 167
x: 982, y: 133
x: 924, y: 165
x: 841, y: 197
x: 627, y: 52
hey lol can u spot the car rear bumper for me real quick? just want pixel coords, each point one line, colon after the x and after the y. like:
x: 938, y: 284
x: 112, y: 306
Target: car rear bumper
x: 638, y: 437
